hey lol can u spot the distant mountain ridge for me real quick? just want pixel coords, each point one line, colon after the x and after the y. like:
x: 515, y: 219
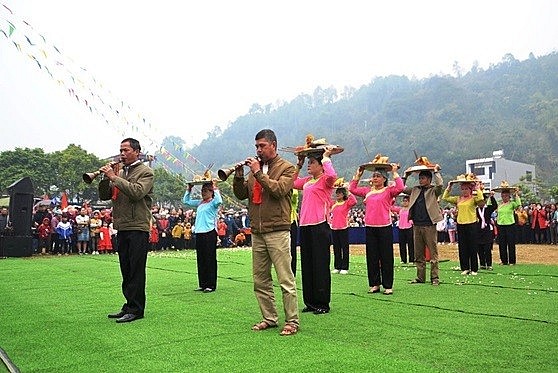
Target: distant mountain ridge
x: 512, y: 105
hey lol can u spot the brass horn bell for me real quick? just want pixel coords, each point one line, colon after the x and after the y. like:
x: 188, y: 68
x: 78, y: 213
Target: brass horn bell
x: 90, y: 176
x: 225, y: 173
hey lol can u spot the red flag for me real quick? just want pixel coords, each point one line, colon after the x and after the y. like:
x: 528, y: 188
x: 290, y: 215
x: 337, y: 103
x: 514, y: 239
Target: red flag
x: 64, y: 201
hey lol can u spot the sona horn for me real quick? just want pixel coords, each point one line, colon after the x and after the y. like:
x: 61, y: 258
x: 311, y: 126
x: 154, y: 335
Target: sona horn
x: 90, y: 176
x: 224, y: 173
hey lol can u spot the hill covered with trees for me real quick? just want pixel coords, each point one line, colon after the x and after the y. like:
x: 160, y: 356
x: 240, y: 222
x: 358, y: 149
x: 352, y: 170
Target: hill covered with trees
x: 513, y: 106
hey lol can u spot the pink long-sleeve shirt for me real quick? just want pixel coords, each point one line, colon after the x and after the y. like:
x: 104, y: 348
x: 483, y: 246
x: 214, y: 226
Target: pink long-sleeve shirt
x: 316, y: 195
x: 340, y: 213
x: 404, y: 222
x: 378, y: 205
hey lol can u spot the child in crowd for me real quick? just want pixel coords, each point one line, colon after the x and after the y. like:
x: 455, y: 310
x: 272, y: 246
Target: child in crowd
x: 44, y: 231
x: 64, y: 230
x: 95, y: 227
x: 177, y: 232
x: 153, y: 237
x: 188, y: 244
x: 105, y: 242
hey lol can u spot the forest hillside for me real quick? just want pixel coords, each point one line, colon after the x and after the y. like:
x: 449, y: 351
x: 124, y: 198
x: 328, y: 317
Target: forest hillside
x: 511, y: 106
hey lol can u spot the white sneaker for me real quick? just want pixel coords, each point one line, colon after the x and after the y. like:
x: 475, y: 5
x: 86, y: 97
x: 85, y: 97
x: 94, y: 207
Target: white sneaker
x: 335, y: 271
x: 343, y: 271
x: 473, y: 273
x: 465, y: 272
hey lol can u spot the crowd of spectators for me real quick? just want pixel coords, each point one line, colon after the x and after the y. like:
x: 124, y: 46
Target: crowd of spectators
x: 174, y: 228
x: 86, y: 230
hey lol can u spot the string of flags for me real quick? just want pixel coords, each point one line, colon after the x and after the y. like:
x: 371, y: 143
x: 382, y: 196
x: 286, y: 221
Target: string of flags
x: 91, y: 92
x: 82, y: 85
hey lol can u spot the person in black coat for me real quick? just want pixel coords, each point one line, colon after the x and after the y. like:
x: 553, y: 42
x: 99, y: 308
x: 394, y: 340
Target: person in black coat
x: 485, y: 238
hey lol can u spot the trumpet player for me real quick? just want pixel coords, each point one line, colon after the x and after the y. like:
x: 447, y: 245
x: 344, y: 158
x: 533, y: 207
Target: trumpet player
x: 131, y: 191
x: 268, y: 190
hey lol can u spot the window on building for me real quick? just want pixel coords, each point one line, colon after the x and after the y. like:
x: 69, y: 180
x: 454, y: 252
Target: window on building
x: 479, y: 171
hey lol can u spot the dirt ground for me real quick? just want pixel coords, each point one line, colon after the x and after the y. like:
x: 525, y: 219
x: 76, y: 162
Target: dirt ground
x: 541, y: 254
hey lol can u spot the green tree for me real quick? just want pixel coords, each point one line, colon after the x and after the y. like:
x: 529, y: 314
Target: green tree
x: 69, y: 165
x: 25, y: 162
x: 169, y: 188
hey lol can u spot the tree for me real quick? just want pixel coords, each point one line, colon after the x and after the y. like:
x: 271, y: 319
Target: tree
x: 69, y: 165
x: 169, y: 188
x: 33, y: 163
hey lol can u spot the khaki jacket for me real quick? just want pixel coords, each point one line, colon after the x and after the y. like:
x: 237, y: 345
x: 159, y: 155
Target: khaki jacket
x: 430, y: 196
x: 131, y: 210
x: 274, y: 213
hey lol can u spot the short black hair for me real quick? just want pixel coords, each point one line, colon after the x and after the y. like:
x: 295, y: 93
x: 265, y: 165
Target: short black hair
x: 267, y: 134
x: 317, y: 157
x: 426, y: 173
x: 342, y: 191
x: 134, y: 144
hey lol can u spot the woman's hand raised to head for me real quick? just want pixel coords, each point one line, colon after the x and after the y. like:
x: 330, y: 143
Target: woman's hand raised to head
x: 358, y: 173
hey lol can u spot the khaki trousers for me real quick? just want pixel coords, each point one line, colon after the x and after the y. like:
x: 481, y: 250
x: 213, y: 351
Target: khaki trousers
x: 426, y: 236
x: 267, y: 249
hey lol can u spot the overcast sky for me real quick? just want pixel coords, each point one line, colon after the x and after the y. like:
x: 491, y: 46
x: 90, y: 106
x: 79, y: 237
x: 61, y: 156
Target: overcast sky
x: 183, y: 67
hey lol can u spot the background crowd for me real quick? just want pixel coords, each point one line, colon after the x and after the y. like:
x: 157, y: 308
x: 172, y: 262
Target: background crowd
x: 173, y: 228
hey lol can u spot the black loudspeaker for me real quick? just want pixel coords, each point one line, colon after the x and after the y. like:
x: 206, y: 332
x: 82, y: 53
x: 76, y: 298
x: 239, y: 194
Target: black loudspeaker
x: 16, y: 246
x: 21, y: 206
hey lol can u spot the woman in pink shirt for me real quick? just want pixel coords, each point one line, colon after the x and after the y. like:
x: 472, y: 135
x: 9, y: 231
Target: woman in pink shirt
x: 344, y: 201
x: 378, y: 199
x: 406, y: 244
x: 315, y: 233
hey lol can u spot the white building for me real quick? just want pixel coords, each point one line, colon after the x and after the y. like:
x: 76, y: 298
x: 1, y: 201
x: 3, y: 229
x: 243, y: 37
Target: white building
x: 495, y: 169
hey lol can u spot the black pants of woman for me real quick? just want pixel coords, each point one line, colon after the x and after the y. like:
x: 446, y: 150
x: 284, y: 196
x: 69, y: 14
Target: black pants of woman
x: 468, y: 247
x: 379, y: 256
x: 506, y: 243
x: 294, y: 244
x: 314, y: 261
x: 206, y: 258
x: 406, y: 245
x: 340, y: 240
x: 485, y: 254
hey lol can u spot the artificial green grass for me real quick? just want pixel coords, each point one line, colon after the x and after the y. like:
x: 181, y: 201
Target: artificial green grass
x: 53, y: 319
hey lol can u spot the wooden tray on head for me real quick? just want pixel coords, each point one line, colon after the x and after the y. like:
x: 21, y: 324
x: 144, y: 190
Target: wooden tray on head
x: 377, y: 166
x: 201, y: 182
x: 314, y: 150
x: 419, y: 168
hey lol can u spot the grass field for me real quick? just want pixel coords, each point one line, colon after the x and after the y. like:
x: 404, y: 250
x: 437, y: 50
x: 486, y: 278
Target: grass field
x: 53, y: 319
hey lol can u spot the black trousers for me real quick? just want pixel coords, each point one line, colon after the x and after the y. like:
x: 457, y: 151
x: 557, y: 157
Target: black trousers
x: 314, y: 261
x: 132, y: 255
x: 406, y: 245
x: 485, y: 254
x: 506, y: 243
x: 206, y: 258
x: 294, y: 244
x: 340, y: 240
x: 468, y: 247
x: 379, y: 256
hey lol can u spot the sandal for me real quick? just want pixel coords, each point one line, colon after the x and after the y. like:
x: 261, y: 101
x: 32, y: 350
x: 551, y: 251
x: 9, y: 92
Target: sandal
x: 289, y: 329
x: 374, y: 289
x: 388, y: 292
x: 262, y: 325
